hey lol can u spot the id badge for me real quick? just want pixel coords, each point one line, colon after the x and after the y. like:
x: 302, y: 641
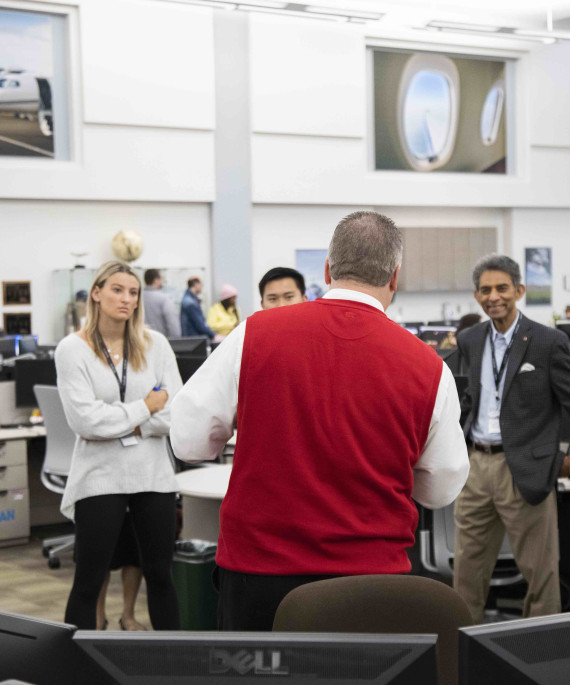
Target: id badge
x: 129, y: 440
x: 494, y: 426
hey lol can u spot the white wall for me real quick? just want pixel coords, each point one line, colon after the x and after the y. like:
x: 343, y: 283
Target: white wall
x: 309, y: 145
x: 37, y: 238
x: 545, y: 228
x: 279, y: 230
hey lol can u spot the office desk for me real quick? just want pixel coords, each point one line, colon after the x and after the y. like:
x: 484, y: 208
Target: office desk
x: 23, y: 433
x: 203, y: 490
x: 14, y: 484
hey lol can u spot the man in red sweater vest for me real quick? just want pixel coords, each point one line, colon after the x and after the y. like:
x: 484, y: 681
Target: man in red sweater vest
x: 342, y: 417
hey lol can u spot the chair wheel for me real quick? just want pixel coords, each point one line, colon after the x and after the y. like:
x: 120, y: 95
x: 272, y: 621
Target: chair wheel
x: 46, y: 551
x: 54, y: 562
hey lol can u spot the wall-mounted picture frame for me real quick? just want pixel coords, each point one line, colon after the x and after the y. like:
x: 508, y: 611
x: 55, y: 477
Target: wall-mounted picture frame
x: 311, y: 263
x: 17, y: 323
x: 16, y: 292
x: 438, y: 112
x: 33, y: 86
x: 538, y: 263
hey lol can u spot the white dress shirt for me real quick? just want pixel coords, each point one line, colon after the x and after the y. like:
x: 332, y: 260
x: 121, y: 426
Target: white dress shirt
x: 204, y: 412
x: 487, y: 402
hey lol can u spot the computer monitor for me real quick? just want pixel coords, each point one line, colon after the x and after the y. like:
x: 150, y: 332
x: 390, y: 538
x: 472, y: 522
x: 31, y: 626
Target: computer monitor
x: 187, y: 366
x: 36, y: 651
x: 46, y: 351
x: 30, y: 372
x: 461, y: 383
x: 27, y: 344
x: 564, y: 326
x: 8, y: 347
x: 452, y: 358
x: 220, y: 658
x: 521, y: 652
x: 195, y: 344
x: 435, y: 335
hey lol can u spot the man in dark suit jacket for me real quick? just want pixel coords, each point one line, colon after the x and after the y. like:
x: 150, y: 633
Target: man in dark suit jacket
x: 519, y: 378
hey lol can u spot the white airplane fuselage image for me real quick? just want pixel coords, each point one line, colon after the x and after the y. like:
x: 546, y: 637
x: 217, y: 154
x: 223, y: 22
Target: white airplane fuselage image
x: 19, y: 92
x: 23, y: 92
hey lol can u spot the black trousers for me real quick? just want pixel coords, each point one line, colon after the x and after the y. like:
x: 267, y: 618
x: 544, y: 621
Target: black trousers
x: 98, y: 523
x: 248, y: 601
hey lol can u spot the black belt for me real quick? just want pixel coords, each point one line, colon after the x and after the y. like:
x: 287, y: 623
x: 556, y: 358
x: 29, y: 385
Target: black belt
x: 488, y: 449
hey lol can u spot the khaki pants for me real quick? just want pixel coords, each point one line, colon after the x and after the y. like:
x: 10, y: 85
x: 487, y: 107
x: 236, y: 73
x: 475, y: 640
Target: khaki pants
x: 488, y: 504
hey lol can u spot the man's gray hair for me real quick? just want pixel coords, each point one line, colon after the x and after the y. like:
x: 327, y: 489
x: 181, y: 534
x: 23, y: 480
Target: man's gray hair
x: 497, y: 262
x: 366, y: 247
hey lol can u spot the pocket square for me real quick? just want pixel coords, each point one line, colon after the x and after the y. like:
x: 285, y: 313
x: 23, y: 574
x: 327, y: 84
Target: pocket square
x: 526, y: 367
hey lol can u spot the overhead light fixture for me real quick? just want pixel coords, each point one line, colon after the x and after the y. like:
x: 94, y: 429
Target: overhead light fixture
x: 286, y: 12
x: 292, y: 9
x: 499, y: 32
x: 458, y: 26
x: 348, y: 14
x: 547, y: 36
x: 553, y: 36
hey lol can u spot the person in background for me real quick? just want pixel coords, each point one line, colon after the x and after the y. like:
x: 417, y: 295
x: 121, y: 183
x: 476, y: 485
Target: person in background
x: 192, y: 318
x: 466, y: 321
x: 342, y: 418
x: 116, y: 380
x: 519, y: 380
x: 160, y: 310
x: 126, y: 558
x: 224, y: 316
x: 281, y: 286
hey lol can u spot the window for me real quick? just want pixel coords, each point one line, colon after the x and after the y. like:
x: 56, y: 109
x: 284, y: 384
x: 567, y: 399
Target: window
x: 429, y: 103
x: 492, y: 112
x: 427, y: 111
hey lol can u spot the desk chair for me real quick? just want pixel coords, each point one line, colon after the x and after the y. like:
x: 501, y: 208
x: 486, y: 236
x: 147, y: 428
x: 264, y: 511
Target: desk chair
x: 380, y: 604
x: 60, y: 441
x: 437, y: 551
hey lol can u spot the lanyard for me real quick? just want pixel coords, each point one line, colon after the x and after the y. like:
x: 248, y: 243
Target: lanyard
x: 498, y: 374
x: 122, y: 383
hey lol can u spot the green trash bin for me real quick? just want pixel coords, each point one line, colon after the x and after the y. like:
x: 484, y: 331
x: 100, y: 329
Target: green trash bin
x: 192, y: 569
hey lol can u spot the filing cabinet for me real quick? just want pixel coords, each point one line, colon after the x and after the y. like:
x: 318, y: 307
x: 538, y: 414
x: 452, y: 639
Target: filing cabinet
x: 14, y: 493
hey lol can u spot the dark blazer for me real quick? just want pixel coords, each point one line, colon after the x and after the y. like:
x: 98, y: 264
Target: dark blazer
x: 531, y: 404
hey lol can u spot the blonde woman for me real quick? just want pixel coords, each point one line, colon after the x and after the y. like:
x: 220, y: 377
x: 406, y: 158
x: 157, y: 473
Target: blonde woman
x: 116, y: 380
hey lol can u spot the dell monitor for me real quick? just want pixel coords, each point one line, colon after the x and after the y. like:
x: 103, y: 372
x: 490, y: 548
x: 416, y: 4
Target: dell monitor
x: 30, y: 372
x: 36, y: 651
x: 187, y: 366
x: 8, y: 347
x: 196, y: 345
x: 27, y: 344
x: 531, y: 651
x: 224, y: 658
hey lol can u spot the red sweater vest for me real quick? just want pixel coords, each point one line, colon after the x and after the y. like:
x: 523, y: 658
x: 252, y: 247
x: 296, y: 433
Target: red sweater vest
x: 334, y: 406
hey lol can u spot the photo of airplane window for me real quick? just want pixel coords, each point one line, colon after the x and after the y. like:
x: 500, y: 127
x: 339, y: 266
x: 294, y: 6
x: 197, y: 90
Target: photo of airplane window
x: 31, y: 47
x: 435, y: 112
x: 427, y: 113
